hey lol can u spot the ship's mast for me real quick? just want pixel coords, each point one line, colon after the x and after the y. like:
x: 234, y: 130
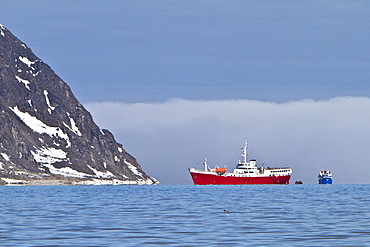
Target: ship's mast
x: 205, y: 164
x: 244, y: 151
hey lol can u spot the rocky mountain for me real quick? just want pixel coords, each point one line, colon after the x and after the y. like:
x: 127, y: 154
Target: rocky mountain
x: 46, y: 135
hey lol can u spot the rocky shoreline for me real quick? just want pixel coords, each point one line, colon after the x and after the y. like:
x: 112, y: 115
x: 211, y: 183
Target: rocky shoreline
x: 8, y: 181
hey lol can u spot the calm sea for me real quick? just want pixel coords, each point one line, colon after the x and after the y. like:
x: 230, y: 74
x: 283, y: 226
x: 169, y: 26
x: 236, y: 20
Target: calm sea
x: 185, y: 215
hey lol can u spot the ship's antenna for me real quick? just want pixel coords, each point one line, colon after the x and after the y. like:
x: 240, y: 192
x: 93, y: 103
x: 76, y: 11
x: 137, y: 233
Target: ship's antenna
x: 244, y: 151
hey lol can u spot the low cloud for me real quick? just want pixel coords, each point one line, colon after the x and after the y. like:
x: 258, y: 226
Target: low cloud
x: 167, y: 138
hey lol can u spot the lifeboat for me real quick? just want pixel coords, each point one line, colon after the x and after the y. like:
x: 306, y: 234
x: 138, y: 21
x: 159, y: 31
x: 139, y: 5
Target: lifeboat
x: 220, y: 170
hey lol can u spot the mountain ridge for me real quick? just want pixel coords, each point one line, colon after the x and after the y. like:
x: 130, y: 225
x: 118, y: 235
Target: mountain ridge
x: 47, y: 134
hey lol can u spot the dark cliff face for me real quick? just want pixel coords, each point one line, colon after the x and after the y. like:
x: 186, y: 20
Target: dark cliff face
x: 46, y: 134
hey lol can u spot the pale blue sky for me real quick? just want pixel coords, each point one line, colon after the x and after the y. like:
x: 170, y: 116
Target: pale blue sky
x: 262, y: 54
x: 149, y: 51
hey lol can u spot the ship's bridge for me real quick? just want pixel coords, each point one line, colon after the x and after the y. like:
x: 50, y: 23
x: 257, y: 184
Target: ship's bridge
x: 245, y: 165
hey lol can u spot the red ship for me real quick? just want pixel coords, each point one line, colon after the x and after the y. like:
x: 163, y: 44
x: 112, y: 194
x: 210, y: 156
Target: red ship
x: 244, y: 173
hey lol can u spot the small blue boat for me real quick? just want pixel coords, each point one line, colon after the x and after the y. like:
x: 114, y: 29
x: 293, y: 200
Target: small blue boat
x: 325, y: 177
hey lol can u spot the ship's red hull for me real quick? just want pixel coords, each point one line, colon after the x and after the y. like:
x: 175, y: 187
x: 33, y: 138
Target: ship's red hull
x: 204, y: 179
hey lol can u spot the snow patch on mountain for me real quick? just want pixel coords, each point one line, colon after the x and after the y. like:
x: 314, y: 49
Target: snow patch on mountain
x: 66, y: 171
x: 13, y: 181
x: 2, y: 28
x: 5, y: 156
x: 133, y: 168
x: 50, y: 108
x: 73, y: 127
x: 26, y: 61
x: 40, y: 127
x: 49, y: 155
x: 100, y: 174
x: 25, y: 82
x: 29, y: 63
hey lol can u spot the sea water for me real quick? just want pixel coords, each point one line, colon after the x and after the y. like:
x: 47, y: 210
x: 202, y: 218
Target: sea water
x: 185, y: 215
